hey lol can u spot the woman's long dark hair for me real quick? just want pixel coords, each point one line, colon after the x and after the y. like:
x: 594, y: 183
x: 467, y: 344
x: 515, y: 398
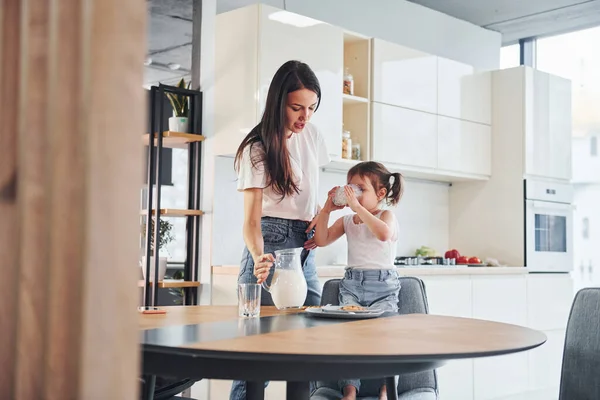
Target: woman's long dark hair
x: 270, y: 132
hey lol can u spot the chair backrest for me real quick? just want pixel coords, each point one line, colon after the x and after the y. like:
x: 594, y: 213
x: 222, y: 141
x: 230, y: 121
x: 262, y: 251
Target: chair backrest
x: 411, y: 300
x: 580, y: 376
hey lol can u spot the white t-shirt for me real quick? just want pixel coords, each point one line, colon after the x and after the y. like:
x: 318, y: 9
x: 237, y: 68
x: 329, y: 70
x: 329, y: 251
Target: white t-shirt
x: 307, y: 152
x: 365, y: 251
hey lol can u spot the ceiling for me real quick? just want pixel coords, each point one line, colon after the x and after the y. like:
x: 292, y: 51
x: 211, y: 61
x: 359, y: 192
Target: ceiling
x: 518, y: 19
x: 169, y: 41
x: 170, y: 25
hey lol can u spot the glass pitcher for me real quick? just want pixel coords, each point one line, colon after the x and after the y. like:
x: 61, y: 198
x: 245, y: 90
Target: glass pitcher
x: 288, y: 287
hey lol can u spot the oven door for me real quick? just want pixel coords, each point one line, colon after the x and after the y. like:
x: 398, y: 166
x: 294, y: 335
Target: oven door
x: 548, y: 236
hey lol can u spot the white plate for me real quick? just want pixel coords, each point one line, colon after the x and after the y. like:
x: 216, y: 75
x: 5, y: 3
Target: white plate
x: 330, y: 308
x: 337, y: 312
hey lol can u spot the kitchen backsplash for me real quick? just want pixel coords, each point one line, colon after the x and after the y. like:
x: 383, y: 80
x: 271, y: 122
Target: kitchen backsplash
x: 422, y: 214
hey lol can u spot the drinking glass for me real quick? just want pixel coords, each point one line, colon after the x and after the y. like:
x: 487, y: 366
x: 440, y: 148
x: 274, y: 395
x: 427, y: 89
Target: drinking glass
x: 249, y: 300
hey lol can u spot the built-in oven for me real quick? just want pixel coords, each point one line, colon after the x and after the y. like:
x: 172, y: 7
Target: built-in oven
x: 548, y: 226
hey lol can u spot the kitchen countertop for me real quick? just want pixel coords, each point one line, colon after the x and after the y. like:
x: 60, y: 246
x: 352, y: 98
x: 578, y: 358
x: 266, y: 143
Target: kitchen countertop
x: 337, y: 271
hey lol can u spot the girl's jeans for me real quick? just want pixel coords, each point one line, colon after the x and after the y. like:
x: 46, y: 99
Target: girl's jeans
x: 375, y: 288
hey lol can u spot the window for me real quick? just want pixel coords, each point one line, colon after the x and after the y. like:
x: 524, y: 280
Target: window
x: 593, y: 146
x: 575, y: 56
x: 510, y: 56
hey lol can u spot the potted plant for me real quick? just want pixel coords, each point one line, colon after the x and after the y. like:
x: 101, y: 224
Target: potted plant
x: 179, y: 122
x: 166, y: 237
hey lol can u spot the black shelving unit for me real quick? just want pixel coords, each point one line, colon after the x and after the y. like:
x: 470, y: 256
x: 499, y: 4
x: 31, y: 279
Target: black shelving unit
x: 193, y: 140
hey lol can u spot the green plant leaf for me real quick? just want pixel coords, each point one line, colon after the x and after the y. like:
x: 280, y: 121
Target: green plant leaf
x: 174, y: 103
x: 180, y: 103
x: 166, y: 236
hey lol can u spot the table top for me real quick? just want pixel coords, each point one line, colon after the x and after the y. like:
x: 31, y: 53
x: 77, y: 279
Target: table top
x: 292, y: 333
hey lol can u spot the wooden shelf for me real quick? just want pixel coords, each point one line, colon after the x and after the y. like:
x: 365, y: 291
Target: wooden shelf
x: 349, y: 99
x: 172, y: 283
x: 176, y: 139
x: 172, y: 212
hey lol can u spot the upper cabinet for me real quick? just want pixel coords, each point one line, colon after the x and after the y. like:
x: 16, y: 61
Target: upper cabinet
x: 404, y: 77
x: 404, y: 137
x: 464, y: 147
x: 548, y: 125
x: 534, y: 108
x: 560, y: 126
x: 463, y: 93
x: 251, y: 44
x: 431, y: 116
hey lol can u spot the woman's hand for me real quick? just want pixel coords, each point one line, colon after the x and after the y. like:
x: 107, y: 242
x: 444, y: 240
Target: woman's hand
x: 351, y: 198
x: 262, y: 266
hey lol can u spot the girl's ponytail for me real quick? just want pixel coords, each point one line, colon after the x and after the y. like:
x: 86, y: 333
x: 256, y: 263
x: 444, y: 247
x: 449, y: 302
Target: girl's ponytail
x: 395, y: 188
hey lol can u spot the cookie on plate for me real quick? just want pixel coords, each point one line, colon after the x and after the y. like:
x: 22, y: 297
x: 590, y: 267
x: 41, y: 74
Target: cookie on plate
x: 353, y: 308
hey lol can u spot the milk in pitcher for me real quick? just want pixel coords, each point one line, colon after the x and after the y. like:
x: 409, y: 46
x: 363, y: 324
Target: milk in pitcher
x: 288, y: 288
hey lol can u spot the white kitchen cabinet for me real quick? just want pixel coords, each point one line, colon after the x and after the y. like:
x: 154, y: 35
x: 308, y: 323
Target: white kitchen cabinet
x: 464, y: 93
x: 440, y: 289
x: 251, y: 44
x: 560, y: 127
x: 547, y: 116
x: 404, y: 77
x: 545, y: 362
x: 464, y: 146
x: 500, y: 299
x: 404, y: 137
x: 547, y: 308
x: 537, y: 140
x: 500, y: 377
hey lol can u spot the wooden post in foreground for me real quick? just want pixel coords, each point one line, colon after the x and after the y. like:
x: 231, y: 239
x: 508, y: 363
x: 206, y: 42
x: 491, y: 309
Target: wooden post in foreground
x: 72, y: 114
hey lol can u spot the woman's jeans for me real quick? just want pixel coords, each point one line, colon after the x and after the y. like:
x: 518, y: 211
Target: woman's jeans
x: 279, y: 233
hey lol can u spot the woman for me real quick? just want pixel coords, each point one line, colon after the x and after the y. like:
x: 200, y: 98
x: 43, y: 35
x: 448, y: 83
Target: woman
x: 278, y: 171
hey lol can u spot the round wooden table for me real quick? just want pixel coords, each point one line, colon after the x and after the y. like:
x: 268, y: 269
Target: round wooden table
x: 212, y: 342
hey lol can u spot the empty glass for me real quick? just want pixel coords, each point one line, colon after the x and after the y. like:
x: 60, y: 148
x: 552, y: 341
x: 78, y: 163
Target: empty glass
x: 249, y: 300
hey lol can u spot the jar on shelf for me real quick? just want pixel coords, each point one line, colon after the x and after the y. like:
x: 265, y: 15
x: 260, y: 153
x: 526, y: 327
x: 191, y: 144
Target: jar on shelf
x: 356, y: 151
x: 348, y: 82
x: 346, y: 145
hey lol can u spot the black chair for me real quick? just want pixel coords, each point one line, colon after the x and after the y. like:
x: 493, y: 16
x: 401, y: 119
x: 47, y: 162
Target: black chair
x: 164, y: 388
x: 580, y: 375
x: 414, y: 386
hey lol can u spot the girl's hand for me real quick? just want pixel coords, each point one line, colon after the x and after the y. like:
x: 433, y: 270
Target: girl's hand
x: 352, y: 200
x: 329, y: 204
x: 262, y: 266
x: 310, y: 244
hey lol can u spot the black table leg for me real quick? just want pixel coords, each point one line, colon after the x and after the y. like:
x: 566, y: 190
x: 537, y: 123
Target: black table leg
x: 255, y: 390
x: 149, y: 386
x: 391, y: 388
x: 297, y: 391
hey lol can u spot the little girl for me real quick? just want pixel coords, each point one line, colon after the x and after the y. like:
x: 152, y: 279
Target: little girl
x: 370, y: 279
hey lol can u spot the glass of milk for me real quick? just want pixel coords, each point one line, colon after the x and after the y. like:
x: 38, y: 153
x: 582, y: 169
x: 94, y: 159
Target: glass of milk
x: 340, y: 199
x: 288, y: 287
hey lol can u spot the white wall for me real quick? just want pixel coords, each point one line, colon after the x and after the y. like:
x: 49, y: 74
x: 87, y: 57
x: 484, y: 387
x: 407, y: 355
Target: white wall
x: 401, y: 22
x: 586, y: 168
x: 586, y: 257
x: 422, y: 215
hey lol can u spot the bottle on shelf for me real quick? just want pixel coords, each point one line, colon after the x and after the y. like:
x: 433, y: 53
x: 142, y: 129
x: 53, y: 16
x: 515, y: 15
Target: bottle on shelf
x: 346, y: 145
x: 348, y: 82
x: 356, y: 151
